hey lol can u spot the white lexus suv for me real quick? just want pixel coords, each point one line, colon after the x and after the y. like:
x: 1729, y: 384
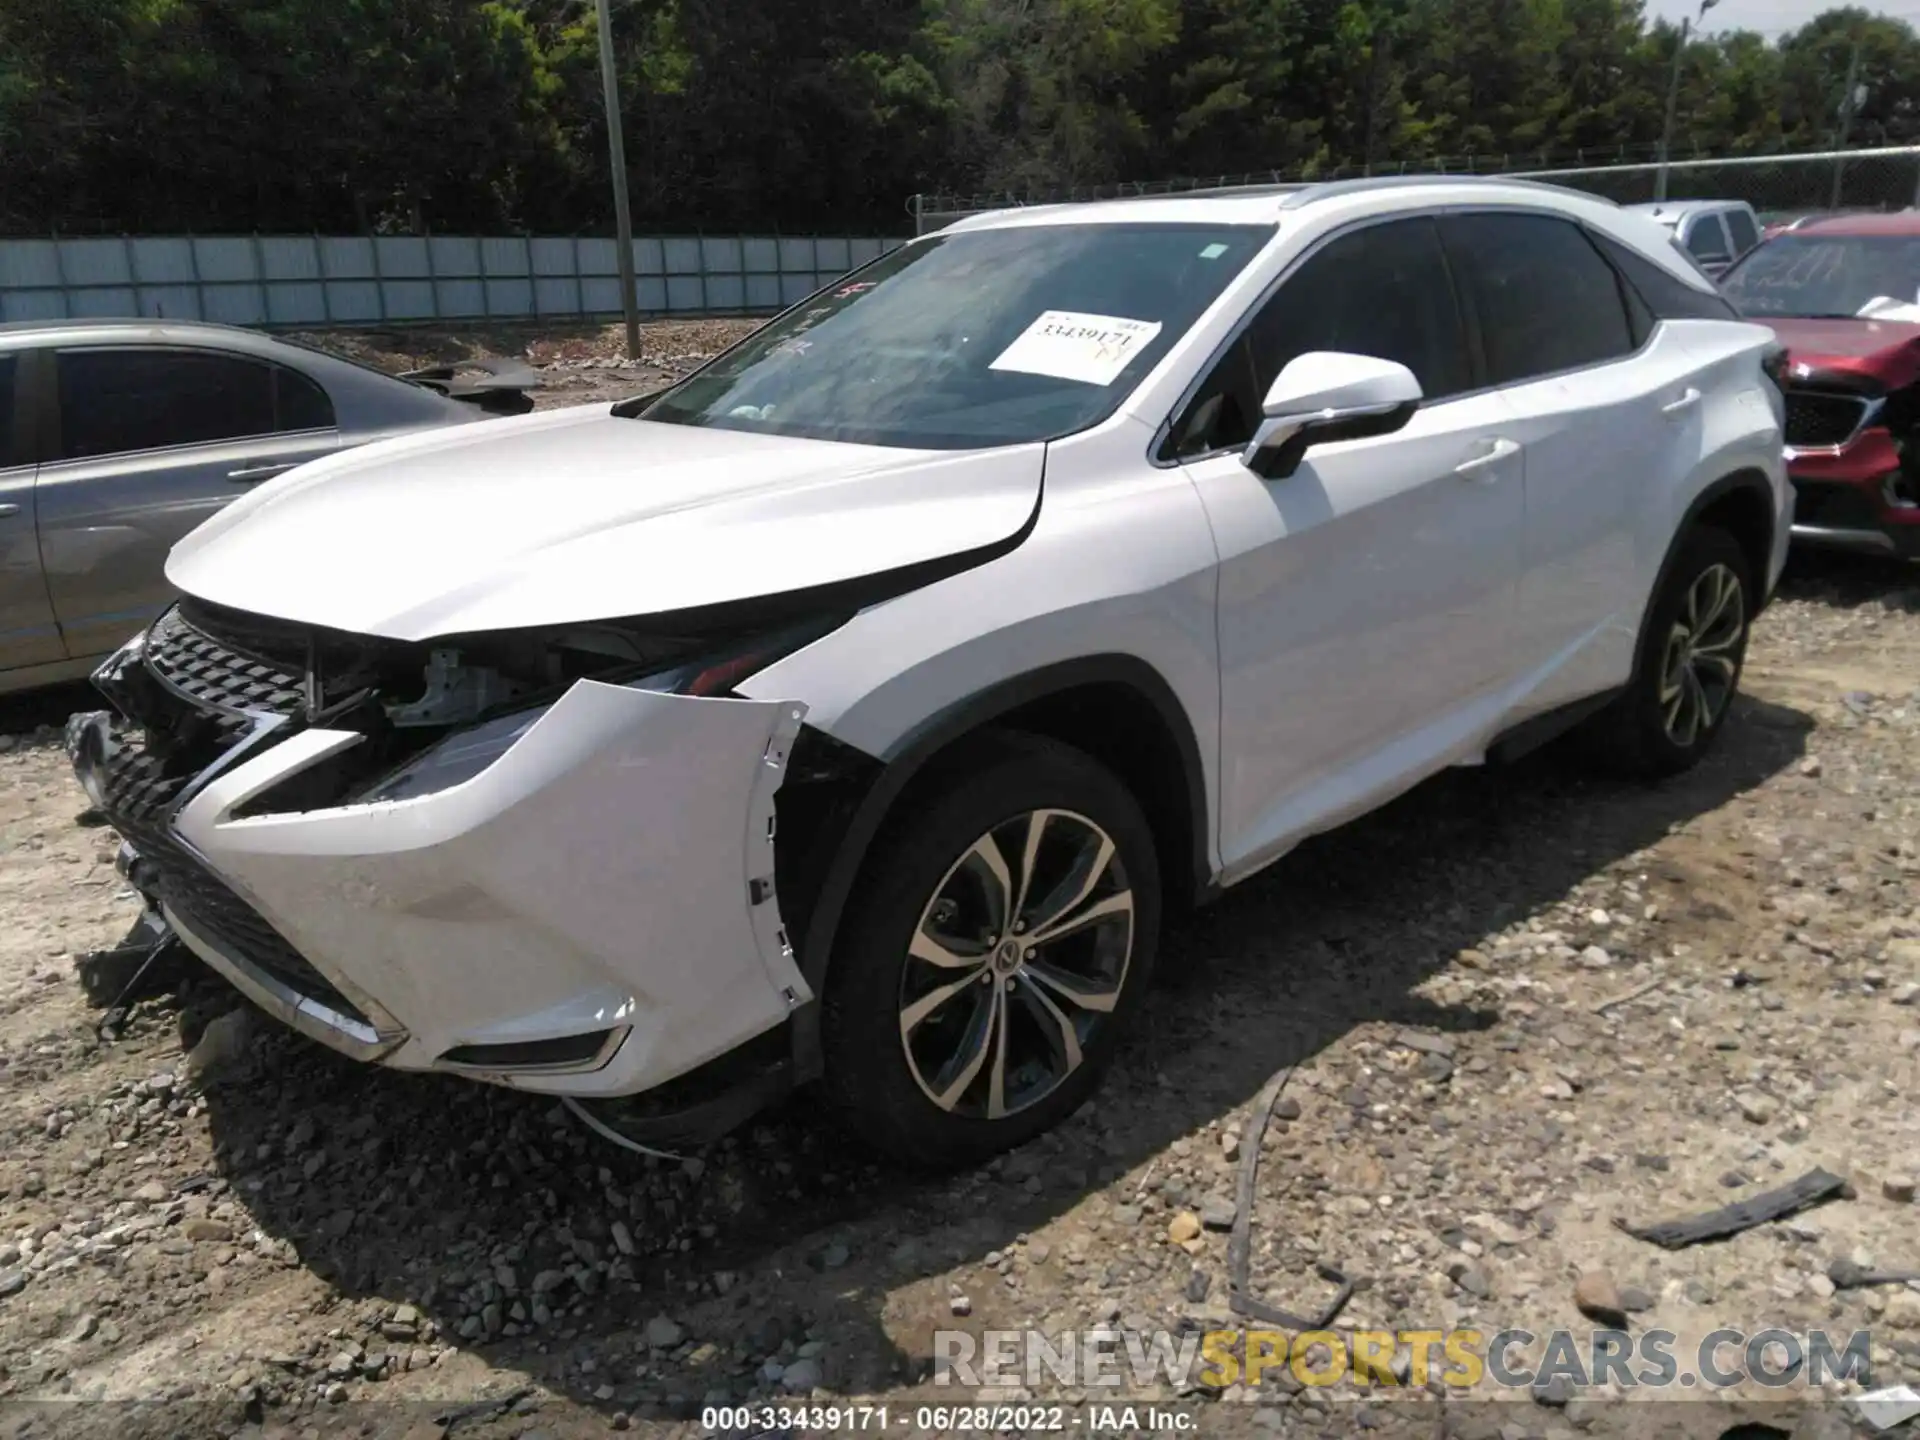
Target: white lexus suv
x: 855, y: 709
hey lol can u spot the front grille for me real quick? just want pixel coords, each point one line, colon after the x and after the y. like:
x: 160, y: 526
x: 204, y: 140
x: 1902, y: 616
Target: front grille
x: 190, y: 698
x: 197, y: 666
x: 139, y: 800
x: 1817, y: 418
x: 1833, y: 507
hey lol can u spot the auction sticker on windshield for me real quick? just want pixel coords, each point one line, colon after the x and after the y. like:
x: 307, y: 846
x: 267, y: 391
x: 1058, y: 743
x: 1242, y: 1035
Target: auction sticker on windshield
x: 1069, y: 345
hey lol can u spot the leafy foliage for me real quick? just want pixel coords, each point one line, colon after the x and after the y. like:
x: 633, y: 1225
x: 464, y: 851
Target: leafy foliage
x: 210, y: 115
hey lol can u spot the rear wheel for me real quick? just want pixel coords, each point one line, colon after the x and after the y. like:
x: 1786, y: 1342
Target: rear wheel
x: 1689, y: 663
x: 1004, y: 940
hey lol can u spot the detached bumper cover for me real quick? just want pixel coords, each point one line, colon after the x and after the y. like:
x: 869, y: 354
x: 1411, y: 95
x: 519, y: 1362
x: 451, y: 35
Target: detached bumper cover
x: 607, y: 880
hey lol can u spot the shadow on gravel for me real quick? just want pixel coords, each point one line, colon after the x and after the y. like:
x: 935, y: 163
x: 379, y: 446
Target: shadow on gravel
x: 46, y: 709
x: 1849, y: 581
x: 493, y: 1214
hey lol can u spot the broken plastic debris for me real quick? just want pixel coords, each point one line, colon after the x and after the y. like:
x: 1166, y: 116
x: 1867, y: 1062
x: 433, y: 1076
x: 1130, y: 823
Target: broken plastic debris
x: 1811, y: 1188
x: 1884, y: 1409
x: 1240, y: 1297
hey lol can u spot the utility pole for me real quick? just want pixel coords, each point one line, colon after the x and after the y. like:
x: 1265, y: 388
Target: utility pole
x: 1673, y: 98
x: 1849, y: 98
x: 617, y: 158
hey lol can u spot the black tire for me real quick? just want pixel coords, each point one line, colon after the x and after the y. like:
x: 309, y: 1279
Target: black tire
x: 925, y: 864
x: 1638, y: 735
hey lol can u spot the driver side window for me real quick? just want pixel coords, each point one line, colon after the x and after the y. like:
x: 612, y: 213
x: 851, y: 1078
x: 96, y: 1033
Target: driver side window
x: 1383, y: 291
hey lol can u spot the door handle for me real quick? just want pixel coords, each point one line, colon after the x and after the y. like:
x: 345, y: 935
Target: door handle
x: 1480, y: 467
x: 1685, y: 403
x: 254, y: 474
x: 6, y: 510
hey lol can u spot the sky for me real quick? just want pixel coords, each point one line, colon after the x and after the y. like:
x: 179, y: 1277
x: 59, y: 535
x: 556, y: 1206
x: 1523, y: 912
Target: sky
x: 1771, y: 17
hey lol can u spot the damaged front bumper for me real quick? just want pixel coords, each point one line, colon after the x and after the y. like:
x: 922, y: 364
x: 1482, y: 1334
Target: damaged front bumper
x: 590, y: 914
x: 1857, y: 496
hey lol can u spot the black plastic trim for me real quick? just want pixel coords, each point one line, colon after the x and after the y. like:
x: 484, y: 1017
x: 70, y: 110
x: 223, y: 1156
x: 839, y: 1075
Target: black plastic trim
x: 560, y: 1050
x: 1726, y: 485
x: 1538, y: 730
x: 697, y: 1108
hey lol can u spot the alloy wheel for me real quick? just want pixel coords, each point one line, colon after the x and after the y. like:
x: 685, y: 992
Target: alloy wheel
x: 1702, y: 660
x: 1018, y: 957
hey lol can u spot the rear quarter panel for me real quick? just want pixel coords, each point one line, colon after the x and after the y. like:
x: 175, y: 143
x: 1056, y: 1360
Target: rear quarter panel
x: 1740, y: 430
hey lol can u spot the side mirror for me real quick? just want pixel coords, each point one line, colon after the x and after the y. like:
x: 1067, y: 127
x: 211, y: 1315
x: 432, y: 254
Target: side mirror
x: 1327, y: 395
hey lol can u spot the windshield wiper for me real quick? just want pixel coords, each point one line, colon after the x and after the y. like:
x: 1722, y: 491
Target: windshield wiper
x: 630, y: 408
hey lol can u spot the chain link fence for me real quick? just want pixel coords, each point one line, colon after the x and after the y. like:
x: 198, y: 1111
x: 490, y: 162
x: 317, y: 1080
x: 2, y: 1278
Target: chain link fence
x: 1883, y: 178
x: 1879, y: 179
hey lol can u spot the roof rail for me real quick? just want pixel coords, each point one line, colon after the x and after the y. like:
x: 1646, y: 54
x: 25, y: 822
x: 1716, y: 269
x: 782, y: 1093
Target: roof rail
x: 1361, y: 186
x: 1291, y: 195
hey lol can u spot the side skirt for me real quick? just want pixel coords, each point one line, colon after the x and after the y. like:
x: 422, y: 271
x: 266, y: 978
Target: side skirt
x: 1538, y: 730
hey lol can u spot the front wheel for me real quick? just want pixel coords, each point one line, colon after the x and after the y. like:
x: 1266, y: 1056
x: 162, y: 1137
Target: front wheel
x: 1004, y: 940
x: 1688, y: 668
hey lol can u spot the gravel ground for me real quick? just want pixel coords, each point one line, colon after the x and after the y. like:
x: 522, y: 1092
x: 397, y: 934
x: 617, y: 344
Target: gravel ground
x: 578, y: 364
x: 281, y: 1242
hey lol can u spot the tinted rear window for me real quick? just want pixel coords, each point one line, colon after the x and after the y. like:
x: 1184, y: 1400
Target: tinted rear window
x: 1665, y: 294
x: 1547, y: 302
x: 116, y: 401
x: 1745, y: 233
x: 298, y: 403
x: 1707, y: 240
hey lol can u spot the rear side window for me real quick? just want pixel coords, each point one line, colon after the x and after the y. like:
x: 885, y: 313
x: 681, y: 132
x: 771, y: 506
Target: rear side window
x: 8, y: 369
x: 1707, y: 240
x: 115, y: 401
x: 1383, y: 290
x: 1745, y: 233
x: 298, y: 403
x: 1546, y: 300
x: 1666, y: 295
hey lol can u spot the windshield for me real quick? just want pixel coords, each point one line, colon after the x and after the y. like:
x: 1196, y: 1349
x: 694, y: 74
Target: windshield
x: 1824, y: 276
x: 960, y: 342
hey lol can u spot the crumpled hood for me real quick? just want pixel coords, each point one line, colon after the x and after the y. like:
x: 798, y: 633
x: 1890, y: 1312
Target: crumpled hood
x: 579, y: 514
x: 1884, y: 350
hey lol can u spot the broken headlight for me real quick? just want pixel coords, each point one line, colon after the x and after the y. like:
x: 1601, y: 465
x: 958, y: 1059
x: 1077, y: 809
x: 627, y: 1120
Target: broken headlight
x: 468, y: 751
x: 458, y: 758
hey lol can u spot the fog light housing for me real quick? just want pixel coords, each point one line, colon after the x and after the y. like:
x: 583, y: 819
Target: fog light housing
x: 1900, y: 492
x: 588, y: 1051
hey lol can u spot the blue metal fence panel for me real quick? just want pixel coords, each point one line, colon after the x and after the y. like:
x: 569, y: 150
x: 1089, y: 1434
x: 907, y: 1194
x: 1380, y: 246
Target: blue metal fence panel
x: 363, y: 280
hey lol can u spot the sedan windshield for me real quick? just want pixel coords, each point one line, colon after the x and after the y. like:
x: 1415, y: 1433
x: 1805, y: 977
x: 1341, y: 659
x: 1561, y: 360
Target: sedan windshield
x: 1825, y: 276
x: 964, y: 341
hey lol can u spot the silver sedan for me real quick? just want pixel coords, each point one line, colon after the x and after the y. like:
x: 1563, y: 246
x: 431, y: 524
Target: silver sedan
x: 117, y: 437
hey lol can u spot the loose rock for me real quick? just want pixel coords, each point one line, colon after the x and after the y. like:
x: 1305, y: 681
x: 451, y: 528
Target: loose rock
x: 1598, y: 1297
x: 1756, y: 1107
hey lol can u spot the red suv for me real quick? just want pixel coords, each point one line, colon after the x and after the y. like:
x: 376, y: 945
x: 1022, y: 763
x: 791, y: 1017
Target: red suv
x: 1843, y: 295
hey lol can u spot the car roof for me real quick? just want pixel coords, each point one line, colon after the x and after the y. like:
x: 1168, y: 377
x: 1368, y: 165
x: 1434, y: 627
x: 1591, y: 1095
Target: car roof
x: 389, y: 397
x: 136, y: 328
x: 1679, y: 209
x: 1900, y: 222
x: 1269, y: 204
